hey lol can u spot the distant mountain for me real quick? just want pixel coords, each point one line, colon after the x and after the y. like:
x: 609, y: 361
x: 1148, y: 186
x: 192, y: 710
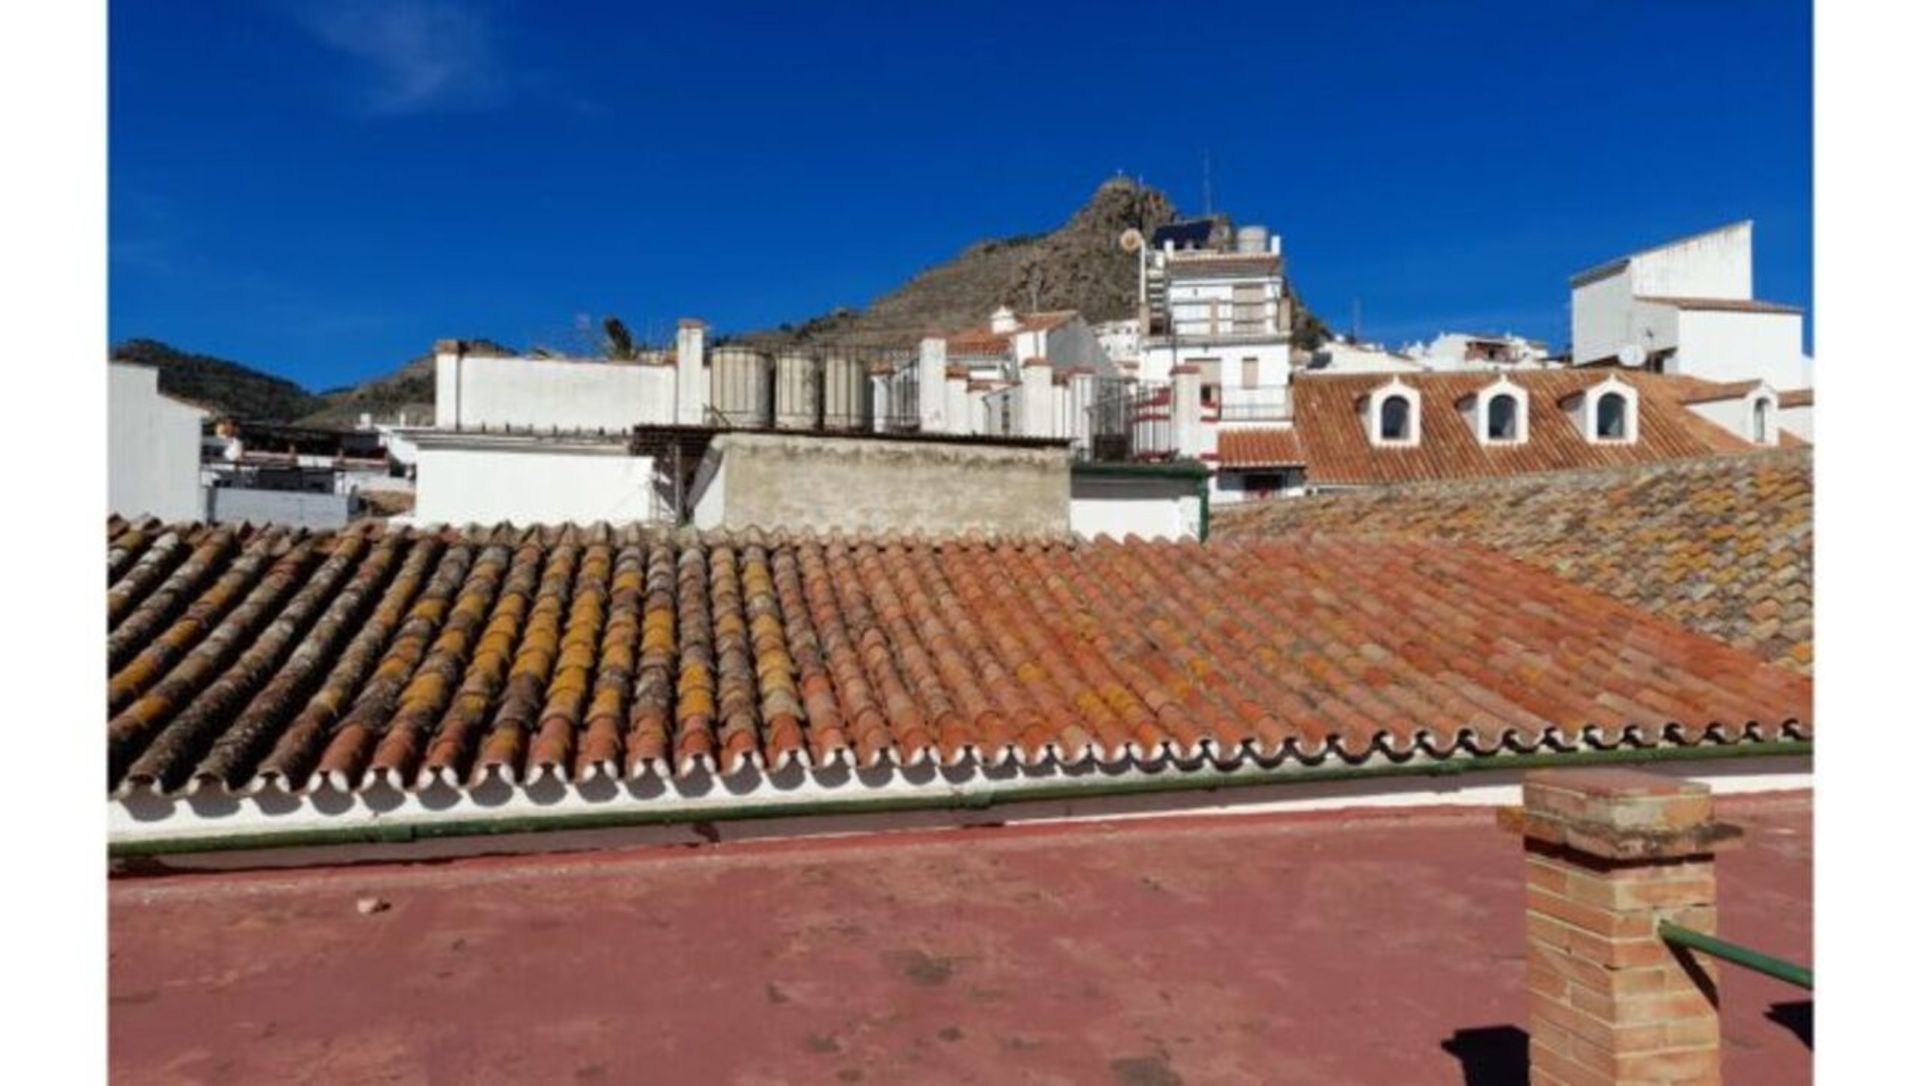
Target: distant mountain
x: 407, y: 390
x: 230, y: 387
x: 1078, y: 266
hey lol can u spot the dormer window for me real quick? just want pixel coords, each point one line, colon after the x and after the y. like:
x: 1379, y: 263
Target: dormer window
x: 1393, y: 414
x: 1396, y: 419
x: 1607, y: 413
x: 1503, y: 418
x: 1497, y: 413
x: 1612, y: 422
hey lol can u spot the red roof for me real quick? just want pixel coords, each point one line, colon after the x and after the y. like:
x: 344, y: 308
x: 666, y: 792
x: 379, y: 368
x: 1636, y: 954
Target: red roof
x: 1329, y: 416
x: 1260, y: 448
x: 420, y: 658
x: 982, y: 339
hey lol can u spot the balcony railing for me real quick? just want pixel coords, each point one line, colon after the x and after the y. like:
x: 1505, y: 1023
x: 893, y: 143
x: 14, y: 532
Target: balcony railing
x: 1258, y: 403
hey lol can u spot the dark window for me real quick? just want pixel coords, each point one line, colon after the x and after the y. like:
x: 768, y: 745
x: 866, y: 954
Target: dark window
x: 1759, y: 420
x: 1503, y: 418
x: 1395, y: 418
x: 1613, y: 416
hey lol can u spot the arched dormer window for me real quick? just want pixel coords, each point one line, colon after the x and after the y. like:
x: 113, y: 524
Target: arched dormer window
x: 1610, y: 423
x: 1396, y: 418
x: 1608, y: 412
x: 1760, y: 421
x: 1393, y: 414
x: 1503, y: 417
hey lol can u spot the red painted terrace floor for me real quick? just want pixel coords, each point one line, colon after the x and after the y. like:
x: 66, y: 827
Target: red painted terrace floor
x: 1318, y: 949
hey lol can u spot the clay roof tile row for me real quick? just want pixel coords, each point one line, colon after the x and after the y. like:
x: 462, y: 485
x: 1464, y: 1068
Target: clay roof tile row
x: 426, y: 657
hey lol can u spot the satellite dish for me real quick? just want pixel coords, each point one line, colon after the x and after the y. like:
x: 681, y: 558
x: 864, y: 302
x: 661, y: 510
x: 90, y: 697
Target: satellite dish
x: 1633, y: 355
x: 1131, y: 241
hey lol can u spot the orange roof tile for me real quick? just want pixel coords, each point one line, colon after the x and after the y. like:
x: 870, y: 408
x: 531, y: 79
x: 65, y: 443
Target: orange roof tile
x: 420, y: 658
x: 1333, y: 432
x: 1260, y: 448
x: 1723, y: 545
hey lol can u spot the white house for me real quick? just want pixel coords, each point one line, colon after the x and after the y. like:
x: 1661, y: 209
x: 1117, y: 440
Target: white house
x: 1451, y: 351
x: 1338, y: 355
x: 153, y: 448
x: 1221, y: 306
x: 1687, y: 308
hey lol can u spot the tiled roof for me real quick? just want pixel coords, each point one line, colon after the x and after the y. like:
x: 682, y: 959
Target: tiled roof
x: 1277, y: 446
x: 415, y: 658
x: 983, y: 340
x: 1734, y: 305
x: 1723, y: 545
x: 1333, y: 429
x: 1799, y: 397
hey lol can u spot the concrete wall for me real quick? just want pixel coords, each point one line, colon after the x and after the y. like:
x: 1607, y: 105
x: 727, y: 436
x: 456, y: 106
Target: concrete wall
x: 1718, y: 345
x: 1714, y: 265
x: 294, y: 507
x: 1797, y: 421
x: 867, y: 484
x: 531, y: 480
x: 1149, y: 507
x: 546, y: 393
x: 153, y: 448
x: 1603, y: 317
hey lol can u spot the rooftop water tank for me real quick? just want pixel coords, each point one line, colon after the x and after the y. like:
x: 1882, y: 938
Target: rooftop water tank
x: 1250, y: 239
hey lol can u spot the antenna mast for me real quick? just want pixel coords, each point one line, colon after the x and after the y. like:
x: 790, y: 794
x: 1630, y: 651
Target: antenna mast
x: 1206, y: 181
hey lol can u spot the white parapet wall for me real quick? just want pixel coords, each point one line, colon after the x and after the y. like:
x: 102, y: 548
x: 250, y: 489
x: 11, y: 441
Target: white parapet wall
x: 494, y: 393
x: 525, y: 479
x: 153, y: 448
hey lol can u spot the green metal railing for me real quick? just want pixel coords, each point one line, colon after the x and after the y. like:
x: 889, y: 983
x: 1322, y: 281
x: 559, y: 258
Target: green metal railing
x: 1777, y: 968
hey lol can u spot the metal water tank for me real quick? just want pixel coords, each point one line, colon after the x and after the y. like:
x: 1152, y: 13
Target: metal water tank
x: 1251, y: 239
x: 846, y: 394
x: 796, y: 391
x: 741, y: 388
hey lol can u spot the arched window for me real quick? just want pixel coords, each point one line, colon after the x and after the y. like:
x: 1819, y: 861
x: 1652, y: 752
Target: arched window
x: 1612, y: 421
x: 1395, y: 419
x: 1760, y: 421
x: 1503, y: 418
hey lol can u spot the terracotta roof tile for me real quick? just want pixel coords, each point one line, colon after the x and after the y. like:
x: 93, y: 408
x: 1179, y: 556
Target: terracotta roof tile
x: 1723, y: 545
x: 416, y: 659
x: 1260, y: 448
x: 1736, y: 305
x: 1332, y: 427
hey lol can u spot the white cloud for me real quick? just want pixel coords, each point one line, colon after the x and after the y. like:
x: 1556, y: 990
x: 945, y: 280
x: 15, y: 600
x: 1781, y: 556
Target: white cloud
x: 421, y: 55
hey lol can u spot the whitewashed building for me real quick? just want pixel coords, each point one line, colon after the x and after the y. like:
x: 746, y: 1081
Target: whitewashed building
x: 153, y: 448
x: 1687, y: 308
x: 1467, y: 351
x: 1221, y: 306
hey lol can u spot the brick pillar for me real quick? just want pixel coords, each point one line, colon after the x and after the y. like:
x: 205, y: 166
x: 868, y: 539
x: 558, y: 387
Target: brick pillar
x: 1611, y: 853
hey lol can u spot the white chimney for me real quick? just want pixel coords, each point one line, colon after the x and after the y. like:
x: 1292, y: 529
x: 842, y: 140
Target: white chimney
x: 1004, y: 321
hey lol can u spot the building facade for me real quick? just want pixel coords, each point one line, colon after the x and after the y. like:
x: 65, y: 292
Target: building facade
x: 153, y: 448
x: 1687, y: 308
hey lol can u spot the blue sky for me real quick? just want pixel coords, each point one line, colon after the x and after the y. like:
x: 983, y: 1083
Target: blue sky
x: 324, y: 188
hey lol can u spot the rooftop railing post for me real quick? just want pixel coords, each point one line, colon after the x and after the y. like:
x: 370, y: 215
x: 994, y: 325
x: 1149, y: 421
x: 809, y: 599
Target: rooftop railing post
x: 1612, y: 854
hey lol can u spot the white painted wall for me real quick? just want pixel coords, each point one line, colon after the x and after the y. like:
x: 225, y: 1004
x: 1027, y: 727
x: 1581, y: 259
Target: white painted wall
x: 1718, y: 264
x: 1336, y: 357
x: 531, y: 481
x: 1722, y: 345
x: 1797, y: 421
x: 1603, y: 317
x: 153, y: 448
x: 547, y: 393
x: 1151, y: 508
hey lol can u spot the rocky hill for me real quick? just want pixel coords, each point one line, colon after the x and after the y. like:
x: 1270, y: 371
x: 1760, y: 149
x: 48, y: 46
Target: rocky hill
x: 229, y: 387
x: 1077, y: 266
x: 408, y: 390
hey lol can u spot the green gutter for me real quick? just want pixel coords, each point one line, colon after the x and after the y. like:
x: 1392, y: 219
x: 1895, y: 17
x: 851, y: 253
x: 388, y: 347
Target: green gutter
x: 974, y: 800
x: 1777, y: 968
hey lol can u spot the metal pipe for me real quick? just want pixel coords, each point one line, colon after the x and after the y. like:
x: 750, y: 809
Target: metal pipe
x: 1777, y: 968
